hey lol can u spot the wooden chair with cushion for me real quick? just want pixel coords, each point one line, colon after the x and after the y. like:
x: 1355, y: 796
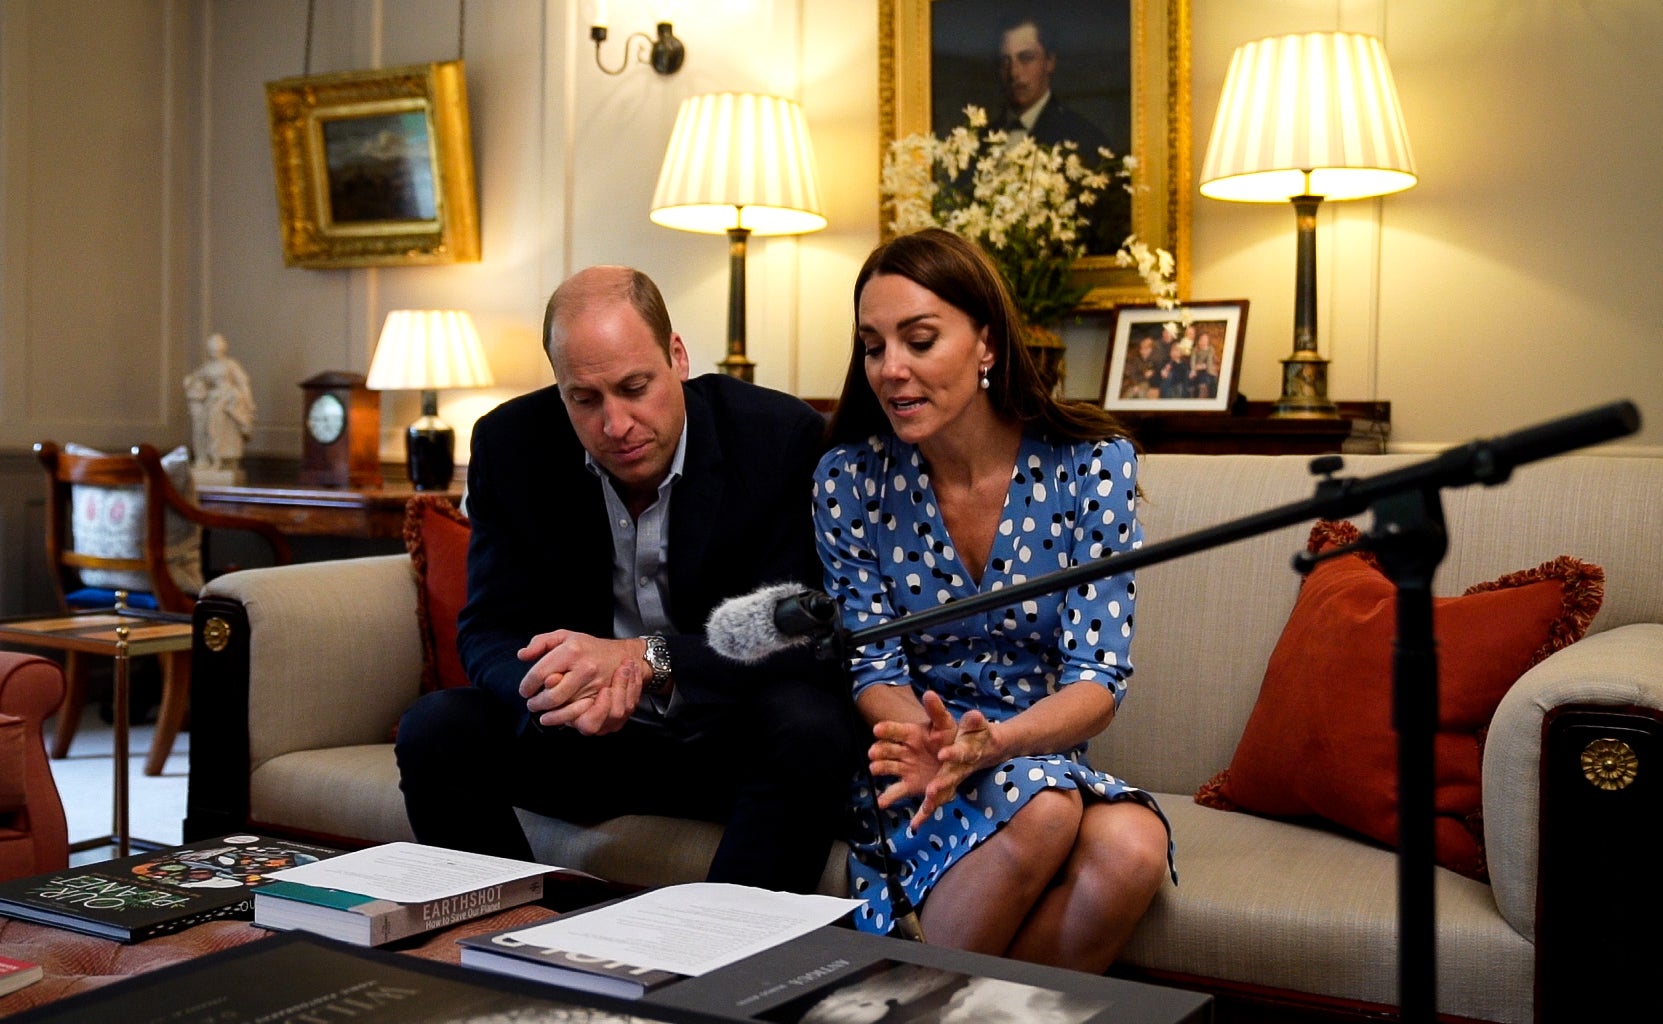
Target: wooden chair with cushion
x: 124, y: 523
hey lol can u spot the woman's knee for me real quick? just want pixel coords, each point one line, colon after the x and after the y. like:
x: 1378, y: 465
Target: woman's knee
x: 1124, y: 845
x: 1046, y: 828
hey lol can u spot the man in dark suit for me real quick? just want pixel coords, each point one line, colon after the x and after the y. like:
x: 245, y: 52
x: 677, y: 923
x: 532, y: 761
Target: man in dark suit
x: 610, y: 513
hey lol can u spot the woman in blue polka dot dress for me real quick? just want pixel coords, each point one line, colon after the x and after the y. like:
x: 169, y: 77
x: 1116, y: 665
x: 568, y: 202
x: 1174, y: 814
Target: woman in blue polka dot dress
x: 955, y: 472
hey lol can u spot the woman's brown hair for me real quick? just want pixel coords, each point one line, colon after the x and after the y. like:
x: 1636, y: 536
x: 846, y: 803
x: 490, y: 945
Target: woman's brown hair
x: 962, y: 275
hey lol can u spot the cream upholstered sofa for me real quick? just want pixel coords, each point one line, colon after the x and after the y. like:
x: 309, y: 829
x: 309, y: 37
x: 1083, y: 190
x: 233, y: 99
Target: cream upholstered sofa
x: 303, y: 670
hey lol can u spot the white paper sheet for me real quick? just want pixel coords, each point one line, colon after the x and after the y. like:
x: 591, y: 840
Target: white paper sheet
x: 689, y: 929
x: 413, y: 873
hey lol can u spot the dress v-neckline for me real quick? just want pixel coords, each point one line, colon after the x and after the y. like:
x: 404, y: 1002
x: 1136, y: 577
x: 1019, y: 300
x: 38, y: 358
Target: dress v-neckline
x: 1003, y: 534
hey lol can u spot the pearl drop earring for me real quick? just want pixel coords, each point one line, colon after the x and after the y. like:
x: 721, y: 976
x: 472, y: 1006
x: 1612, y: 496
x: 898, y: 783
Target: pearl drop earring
x: 985, y: 382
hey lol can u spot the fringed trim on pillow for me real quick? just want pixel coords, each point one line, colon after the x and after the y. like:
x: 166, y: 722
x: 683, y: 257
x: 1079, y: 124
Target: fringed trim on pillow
x: 1211, y: 793
x: 1584, y: 584
x: 1584, y: 592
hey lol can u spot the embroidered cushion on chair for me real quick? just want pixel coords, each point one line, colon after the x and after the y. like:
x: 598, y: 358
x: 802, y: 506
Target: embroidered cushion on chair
x: 108, y: 522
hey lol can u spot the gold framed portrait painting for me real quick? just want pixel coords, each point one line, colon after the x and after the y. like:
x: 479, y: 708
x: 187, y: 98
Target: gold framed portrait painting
x: 374, y: 168
x: 1116, y: 73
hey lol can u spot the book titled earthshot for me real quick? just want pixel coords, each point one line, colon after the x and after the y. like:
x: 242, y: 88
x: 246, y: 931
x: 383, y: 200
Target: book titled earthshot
x: 148, y: 894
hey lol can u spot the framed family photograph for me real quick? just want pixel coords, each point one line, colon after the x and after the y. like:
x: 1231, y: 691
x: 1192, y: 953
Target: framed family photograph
x: 374, y: 168
x: 1184, y: 359
x: 1112, y: 73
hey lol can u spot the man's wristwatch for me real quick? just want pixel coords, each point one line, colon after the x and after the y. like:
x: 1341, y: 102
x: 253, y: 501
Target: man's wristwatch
x: 658, y: 658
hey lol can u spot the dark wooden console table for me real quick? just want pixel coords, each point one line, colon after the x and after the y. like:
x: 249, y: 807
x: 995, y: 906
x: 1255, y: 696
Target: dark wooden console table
x: 356, y: 512
x: 1251, y: 430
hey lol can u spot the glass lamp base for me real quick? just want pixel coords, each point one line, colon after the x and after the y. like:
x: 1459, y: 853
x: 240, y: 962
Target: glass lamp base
x: 430, y: 454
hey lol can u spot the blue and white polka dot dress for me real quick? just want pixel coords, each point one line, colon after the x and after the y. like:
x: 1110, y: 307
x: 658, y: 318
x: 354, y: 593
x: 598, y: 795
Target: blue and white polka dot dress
x: 886, y: 552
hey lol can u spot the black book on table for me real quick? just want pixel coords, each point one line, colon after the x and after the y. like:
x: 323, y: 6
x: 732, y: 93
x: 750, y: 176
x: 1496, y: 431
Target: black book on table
x: 148, y: 894
x: 832, y: 973
x: 501, y: 952
x: 299, y: 977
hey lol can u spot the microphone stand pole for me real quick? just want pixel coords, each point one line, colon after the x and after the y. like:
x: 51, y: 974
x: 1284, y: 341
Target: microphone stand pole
x: 1409, y: 537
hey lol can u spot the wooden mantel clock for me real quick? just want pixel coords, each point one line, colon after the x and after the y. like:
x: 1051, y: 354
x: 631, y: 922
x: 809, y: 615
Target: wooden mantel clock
x: 340, y: 431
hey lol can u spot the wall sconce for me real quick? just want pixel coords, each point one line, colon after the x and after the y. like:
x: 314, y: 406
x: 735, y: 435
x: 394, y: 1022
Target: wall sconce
x: 665, y: 53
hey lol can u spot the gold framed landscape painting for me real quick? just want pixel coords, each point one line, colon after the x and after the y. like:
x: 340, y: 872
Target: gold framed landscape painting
x: 1118, y: 70
x: 374, y: 168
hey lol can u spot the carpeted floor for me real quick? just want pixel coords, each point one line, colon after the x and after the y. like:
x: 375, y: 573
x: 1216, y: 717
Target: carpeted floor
x: 156, y: 804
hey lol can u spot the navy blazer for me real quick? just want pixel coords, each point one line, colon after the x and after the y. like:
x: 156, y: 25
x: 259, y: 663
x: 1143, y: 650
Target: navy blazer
x: 540, y: 551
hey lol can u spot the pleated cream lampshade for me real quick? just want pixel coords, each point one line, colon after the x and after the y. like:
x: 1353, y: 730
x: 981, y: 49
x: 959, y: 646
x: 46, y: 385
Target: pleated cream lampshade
x: 739, y: 160
x: 1311, y: 114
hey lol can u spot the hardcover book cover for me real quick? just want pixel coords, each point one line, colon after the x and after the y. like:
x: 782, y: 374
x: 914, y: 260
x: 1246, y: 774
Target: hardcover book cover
x: 16, y: 974
x: 367, y: 921
x: 500, y: 951
x: 396, y: 890
x: 147, y: 894
x: 296, y: 977
x: 841, y: 974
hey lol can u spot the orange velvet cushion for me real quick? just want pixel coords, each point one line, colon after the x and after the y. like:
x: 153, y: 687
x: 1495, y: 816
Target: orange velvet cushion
x: 1320, y: 740
x: 436, y: 535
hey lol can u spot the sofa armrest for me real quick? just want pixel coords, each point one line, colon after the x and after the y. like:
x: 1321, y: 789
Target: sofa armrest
x: 1616, y: 670
x: 335, y: 655
x: 1571, y: 848
x: 31, y: 811
x: 296, y: 657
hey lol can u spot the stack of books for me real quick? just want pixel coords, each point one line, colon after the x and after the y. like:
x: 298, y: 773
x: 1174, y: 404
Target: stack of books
x: 387, y: 893
x: 695, y: 954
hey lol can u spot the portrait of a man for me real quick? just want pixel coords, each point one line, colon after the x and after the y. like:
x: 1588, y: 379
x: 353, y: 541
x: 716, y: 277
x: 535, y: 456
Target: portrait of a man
x: 1058, y: 71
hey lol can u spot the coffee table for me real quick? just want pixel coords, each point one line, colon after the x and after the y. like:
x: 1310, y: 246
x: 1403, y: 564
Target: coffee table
x: 120, y: 633
x: 75, y: 963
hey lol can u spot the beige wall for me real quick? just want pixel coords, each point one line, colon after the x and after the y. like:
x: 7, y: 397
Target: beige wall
x: 137, y: 213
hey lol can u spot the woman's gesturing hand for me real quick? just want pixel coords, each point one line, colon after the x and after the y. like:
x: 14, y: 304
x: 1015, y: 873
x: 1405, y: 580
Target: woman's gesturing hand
x: 930, y: 760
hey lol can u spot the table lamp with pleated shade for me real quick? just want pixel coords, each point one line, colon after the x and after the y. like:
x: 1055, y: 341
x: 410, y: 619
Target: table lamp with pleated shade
x: 426, y: 350
x: 741, y: 165
x: 1305, y: 118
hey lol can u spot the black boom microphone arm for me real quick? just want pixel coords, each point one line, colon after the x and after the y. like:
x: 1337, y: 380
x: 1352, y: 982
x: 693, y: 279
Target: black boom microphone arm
x: 1488, y: 462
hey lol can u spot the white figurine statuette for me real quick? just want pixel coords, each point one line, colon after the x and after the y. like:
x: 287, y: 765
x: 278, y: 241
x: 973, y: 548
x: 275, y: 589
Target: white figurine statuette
x: 222, y: 414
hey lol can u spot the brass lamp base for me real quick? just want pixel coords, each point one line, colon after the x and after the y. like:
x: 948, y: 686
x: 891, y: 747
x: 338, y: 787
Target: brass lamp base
x: 1305, y: 387
x: 736, y: 365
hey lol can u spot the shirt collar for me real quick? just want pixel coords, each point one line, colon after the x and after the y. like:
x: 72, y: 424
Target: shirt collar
x: 678, y: 462
x: 1029, y: 116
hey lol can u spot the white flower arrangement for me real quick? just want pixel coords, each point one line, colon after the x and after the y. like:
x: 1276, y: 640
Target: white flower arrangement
x: 1027, y: 204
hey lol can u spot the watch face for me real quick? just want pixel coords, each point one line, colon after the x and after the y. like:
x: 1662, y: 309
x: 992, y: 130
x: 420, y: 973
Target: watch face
x: 326, y: 419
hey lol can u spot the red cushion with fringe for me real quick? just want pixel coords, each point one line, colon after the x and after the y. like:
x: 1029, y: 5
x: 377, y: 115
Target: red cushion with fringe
x: 1320, y: 740
x: 436, y: 535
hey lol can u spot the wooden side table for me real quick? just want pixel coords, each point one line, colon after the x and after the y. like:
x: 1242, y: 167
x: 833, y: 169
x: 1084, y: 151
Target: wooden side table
x: 122, y: 634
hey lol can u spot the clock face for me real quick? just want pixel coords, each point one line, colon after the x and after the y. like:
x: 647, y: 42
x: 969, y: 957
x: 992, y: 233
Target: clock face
x: 326, y: 419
